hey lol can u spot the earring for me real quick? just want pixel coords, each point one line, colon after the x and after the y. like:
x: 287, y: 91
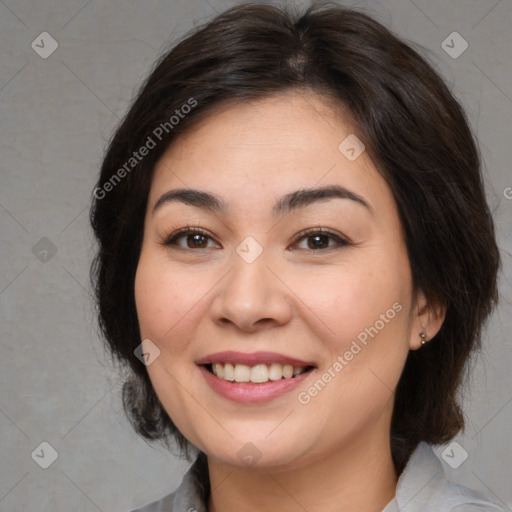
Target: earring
x: 423, y: 336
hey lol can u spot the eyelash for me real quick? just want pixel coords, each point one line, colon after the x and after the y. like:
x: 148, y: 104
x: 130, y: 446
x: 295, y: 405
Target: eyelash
x: 171, y: 239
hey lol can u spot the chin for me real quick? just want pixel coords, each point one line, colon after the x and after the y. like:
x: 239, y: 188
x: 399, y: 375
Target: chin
x: 254, y: 448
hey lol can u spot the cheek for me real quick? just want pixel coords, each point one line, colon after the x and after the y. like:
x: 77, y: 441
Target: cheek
x: 363, y: 306
x: 163, y: 297
x: 353, y: 297
x: 165, y: 303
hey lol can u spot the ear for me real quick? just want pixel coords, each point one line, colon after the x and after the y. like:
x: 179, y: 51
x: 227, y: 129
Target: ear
x: 428, y: 317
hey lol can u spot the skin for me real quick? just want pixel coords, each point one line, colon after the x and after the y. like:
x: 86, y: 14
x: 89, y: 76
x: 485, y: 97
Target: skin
x: 294, y: 299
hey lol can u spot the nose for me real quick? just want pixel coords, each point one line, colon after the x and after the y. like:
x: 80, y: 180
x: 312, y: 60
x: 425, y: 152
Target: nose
x: 252, y: 297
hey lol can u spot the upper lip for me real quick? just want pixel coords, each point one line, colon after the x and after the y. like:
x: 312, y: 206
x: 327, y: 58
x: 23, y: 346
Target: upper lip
x: 252, y: 359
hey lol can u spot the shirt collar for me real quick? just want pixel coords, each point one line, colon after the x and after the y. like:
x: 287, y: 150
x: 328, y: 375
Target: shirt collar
x: 423, y: 473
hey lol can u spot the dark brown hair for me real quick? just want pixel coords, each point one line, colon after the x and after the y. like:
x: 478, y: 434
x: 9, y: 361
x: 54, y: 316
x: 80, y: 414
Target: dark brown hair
x: 415, y: 132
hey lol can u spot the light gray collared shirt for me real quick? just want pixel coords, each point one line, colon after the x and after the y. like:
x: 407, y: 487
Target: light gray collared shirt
x: 422, y: 487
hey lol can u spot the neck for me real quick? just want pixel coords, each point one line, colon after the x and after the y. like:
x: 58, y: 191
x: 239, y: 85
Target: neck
x: 357, y: 477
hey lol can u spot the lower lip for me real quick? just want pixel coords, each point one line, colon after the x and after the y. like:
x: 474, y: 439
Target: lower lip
x: 247, y: 393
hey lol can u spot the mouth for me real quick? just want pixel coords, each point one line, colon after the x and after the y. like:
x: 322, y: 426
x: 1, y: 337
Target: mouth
x: 256, y: 374
x: 253, y: 378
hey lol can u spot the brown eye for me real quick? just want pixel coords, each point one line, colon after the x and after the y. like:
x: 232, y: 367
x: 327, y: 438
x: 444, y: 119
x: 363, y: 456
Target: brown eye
x: 194, y: 238
x: 317, y: 240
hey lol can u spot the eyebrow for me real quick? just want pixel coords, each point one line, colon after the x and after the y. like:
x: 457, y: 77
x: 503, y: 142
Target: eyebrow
x: 292, y: 201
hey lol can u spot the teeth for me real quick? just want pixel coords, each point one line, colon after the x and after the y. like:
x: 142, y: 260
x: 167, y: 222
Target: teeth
x: 287, y: 371
x: 297, y: 371
x: 242, y: 373
x: 257, y: 374
x: 229, y: 372
x: 218, y: 370
x: 275, y: 372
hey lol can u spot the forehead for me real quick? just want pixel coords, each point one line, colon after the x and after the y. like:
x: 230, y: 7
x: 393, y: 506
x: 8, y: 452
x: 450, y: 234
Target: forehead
x: 269, y: 146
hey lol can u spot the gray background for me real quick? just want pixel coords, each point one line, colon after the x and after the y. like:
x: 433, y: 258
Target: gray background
x: 57, y: 385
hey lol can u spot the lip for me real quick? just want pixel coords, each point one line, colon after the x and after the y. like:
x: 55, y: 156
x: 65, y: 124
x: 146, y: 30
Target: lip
x: 233, y: 357
x: 250, y: 393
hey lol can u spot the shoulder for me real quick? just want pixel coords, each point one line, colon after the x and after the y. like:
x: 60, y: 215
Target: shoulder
x: 423, y: 486
x: 464, y: 499
x: 162, y: 505
x: 189, y: 495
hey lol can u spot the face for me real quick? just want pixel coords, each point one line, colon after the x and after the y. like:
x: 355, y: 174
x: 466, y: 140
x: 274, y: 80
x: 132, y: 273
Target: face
x: 296, y: 265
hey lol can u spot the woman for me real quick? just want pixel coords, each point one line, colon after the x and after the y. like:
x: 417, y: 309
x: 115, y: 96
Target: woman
x: 296, y: 260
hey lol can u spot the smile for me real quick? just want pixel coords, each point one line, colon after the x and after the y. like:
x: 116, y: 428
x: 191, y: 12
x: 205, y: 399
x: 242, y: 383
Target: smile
x: 257, y: 374
x: 253, y: 378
